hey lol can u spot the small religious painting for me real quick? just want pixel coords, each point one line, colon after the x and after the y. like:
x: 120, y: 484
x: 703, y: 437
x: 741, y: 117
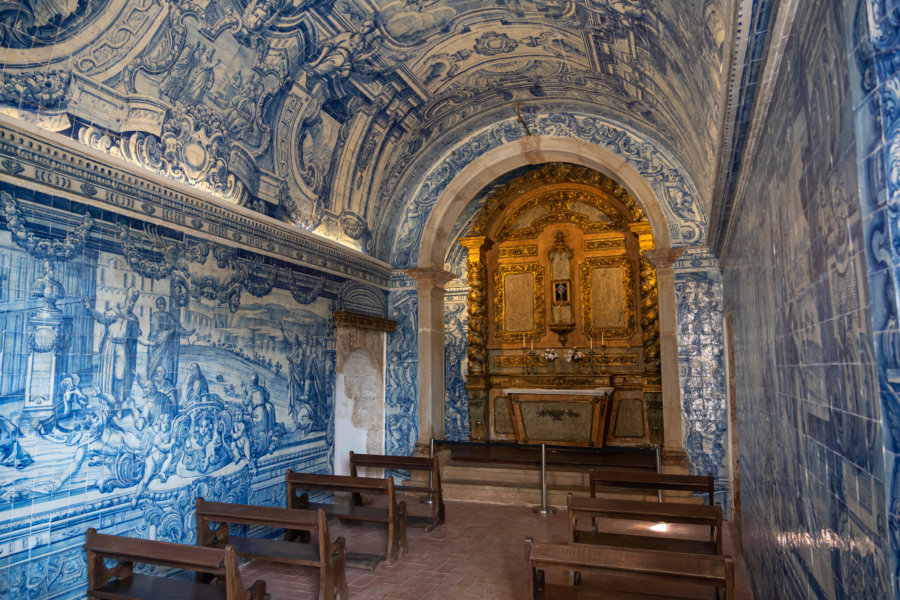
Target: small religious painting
x: 561, y: 292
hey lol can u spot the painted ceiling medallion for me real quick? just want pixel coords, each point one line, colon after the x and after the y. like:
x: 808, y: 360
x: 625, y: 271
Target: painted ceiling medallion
x: 37, y: 23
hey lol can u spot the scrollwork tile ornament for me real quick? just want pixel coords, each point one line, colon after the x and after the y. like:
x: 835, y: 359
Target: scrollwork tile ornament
x: 33, y: 25
x: 59, y: 250
x: 34, y: 89
x: 303, y: 292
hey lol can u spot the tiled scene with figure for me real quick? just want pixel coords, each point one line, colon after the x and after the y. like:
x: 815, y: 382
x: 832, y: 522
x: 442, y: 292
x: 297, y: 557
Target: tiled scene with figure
x: 374, y: 278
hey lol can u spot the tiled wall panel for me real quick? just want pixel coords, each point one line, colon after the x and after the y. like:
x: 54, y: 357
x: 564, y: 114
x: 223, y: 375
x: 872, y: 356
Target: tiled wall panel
x: 186, y: 368
x: 812, y: 477
x: 701, y: 370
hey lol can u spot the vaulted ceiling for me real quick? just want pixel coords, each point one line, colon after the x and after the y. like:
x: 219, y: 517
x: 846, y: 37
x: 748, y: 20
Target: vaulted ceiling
x: 332, y: 113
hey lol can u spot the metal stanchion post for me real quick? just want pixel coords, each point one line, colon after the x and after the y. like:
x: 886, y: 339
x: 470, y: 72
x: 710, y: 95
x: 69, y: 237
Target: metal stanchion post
x: 659, y: 469
x: 429, y: 498
x: 543, y: 509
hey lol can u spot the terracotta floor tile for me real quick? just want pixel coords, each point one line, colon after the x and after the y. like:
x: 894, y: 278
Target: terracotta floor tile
x: 478, y: 553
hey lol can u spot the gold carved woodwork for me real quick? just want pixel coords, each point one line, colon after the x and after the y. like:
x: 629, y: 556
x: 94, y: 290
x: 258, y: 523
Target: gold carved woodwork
x: 607, y: 244
x: 477, y: 307
x: 619, y: 359
x: 558, y: 205
x: 587, y: 301
x: 551, y: 174
x: 607, y: 229
x: 518, y: 251
x: 537, y: 301
x: 650, y: 317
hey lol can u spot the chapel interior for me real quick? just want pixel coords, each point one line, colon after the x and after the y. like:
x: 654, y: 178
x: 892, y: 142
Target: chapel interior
x: 241, y: 237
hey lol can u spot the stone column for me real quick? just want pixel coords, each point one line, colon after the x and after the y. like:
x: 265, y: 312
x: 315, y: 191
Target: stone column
x: 477, y: 376
x: 430, y: 287
x: 673, y: 436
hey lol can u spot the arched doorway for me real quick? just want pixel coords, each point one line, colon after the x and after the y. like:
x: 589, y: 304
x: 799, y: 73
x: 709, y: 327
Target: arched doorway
x: 555, y: 261
x: 438, y: 238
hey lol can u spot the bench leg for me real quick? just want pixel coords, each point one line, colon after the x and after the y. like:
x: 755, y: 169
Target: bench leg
x: 333, y: 578
x: 397, y: 544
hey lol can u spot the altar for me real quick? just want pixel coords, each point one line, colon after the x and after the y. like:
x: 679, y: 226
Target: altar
x: 563, y: 340
x: 573, y: 417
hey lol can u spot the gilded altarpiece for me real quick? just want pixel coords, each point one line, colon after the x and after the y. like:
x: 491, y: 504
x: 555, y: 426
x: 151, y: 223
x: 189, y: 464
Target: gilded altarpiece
x: 570, y: 307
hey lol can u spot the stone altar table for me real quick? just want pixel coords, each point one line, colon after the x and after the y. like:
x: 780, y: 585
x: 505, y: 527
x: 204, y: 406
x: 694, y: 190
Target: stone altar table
x: 571, y: 417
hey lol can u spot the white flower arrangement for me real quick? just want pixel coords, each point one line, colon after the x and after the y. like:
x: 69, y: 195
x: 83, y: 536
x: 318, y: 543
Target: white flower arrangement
x: 550, y: 355
x: 574, y: 355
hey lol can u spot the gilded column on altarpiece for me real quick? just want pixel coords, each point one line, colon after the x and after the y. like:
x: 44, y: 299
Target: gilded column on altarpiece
x: 476, y: 381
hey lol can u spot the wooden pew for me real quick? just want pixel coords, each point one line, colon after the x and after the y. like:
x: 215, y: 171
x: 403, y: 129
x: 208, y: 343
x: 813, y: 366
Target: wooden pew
x: 624, y: 573
x: 326, y: 556
x: 589, y: 509
x: 393, y: 514
x: 647, y: 480
x: 409, y: 463
x: 121, y: 582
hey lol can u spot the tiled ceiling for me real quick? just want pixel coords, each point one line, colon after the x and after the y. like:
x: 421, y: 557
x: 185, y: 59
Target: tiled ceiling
x: 317, y: 110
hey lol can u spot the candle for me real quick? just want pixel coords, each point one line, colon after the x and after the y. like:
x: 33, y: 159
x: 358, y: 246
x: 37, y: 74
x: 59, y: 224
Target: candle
x: 592, y: 342
x: 532, y: 345
x: 601, y: 339
x: 523, y: 341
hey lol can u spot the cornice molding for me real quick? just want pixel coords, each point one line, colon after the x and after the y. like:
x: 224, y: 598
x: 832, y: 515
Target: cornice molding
x: 721, y: 224
x: 58, y: 166
x: 346, y: 318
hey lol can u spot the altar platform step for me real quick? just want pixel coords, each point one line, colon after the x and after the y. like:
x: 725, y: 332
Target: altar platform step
x: 521, y: 485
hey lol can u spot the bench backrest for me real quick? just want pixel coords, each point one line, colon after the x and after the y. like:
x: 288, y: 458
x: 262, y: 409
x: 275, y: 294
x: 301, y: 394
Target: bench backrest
x: 293, y: 519
x: 692, y: 569
x: 340, y: 483
x: 384, y: 461
x: 213, y: 561
x: 431, y: 486
x: 646, y: 480
x: 406, y: 463
x: 580, y: 507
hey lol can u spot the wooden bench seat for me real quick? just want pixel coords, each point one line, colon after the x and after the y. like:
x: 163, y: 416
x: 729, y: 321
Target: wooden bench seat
x: 647, y: 480
x: 625, y: 573
x: 121, y: 582
x: 429, y: 488
x: 326, y: 556
x: 582, y: 510
x: 392, y: 514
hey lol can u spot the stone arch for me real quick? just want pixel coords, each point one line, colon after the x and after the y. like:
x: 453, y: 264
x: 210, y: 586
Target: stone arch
x: 437, y: 238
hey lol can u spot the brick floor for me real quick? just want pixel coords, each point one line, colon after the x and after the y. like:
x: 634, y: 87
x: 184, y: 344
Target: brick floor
x: 478, y: 553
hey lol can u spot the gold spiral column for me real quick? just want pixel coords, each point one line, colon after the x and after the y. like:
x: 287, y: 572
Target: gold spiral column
x: 649, y: 299
x: 477, y: 381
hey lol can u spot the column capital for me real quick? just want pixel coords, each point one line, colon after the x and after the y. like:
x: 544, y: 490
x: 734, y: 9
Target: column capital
x: 663, y: 258
x: 474, y: 246
x: 644, y: 234
x: 431, y: 277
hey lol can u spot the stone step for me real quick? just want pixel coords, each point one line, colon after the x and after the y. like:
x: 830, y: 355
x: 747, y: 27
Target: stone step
x: 521, y: 485
x: 518, y: 474
x: 514, y: 493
